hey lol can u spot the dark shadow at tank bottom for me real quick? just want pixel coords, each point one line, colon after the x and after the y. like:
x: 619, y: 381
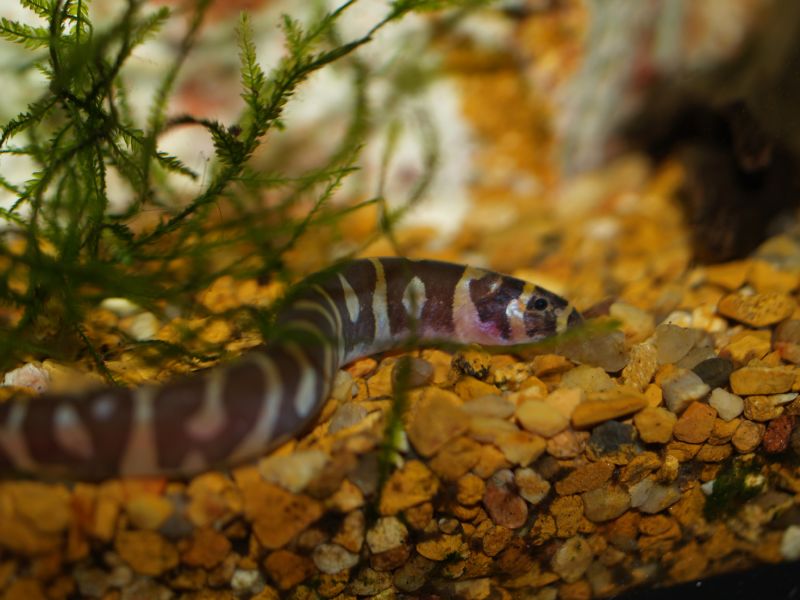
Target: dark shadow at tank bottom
x: 767, y: 582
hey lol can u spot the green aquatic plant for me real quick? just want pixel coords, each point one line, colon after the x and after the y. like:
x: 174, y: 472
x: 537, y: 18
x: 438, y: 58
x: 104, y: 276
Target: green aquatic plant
x: 62, y: 248
x: 738, y: 481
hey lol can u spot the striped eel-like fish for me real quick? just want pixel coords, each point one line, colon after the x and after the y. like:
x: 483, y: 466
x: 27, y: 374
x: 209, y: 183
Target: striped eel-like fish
x: 240, y: 410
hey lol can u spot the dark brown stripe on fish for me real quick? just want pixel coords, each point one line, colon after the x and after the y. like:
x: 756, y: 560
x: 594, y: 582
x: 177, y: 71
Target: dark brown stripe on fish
x: 361, y: 282
x: 420, y: 282
x: 176, y: 406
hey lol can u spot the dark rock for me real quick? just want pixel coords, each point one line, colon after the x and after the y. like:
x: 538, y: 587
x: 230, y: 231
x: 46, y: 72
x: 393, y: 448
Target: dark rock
x: 715, y: 372
x: 615, y: 442
x: 474, y: 363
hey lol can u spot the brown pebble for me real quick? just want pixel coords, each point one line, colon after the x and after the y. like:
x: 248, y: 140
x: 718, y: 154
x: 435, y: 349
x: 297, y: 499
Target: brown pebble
x: 766, y: 277
x: 287, y: 569
x: 605, y: 503
x: 655, y: 424
x: 714, y: 453
x: 495, y: 540
x: 747, y: 345
x: 414, y: 574
x: 695, y: 424
x: 148, y: 511
x: 419, y: 517
x: 369, y: 582
x: 568, y: 514
x: 723, y: 431
x: 389, y: 560
x: 442, y: 547
x: 730, y: 275
x: 413, y: 484
x: 147, y: 552
x: 277, y: 515
x: 520, y: 447
x: 456, y: 458
x: 207, y: 549
x: 639, y: 467
x: 491, y: 460
x: 577, y: 590
x: 550, y: 364
x: 597, y: 410
x: 24, y: 588
x: 748, y: 436
x: 682, y: 451
x: 436, y: 419
x: 757, y: 310
x: 762, y: 380
x: 761, y: 408
x: 641, y: 367
x: 470, y: 388
x: 351, y: 532
x: 541, y: 418
x: 532, y: 486
x: 585, y: 478
x: 504, y: 506
x: 470, y: 489
x: 776, y: 437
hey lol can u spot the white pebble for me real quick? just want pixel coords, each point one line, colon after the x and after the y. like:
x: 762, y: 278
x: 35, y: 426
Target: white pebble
x: 729, y: 406
x: 246, y: 580
x: 660, y: 497
x: 293, y: 472
x: 708, y: 487
x: 681, y: 318
x: 637, y: 324
x: 122, y: 307
x: 490, y: 405
x: 31, y: 376
x: 343, y: 387
x: 778, y: 399
x: 144, y: 326
x: 387, y: 533
x: 790, y: 543
x: 572, y: 559
x: 332, y: 558
x: 588, y: 379
x: 705, y: 318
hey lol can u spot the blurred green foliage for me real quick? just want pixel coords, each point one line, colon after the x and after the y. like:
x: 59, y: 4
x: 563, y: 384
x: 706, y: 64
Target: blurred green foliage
x: 62, y: 249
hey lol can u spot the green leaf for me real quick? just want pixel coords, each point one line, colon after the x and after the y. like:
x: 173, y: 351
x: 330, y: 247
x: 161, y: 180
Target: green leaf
x: 43, y: 8
x: 27, y: 35
x: 401, y: 7
x: 175, y: 165
x: 151, y: 25
x: 252, y: 76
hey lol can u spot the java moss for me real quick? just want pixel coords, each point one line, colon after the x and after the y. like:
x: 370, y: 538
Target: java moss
x: 62, y: 248
x: 738, y: 481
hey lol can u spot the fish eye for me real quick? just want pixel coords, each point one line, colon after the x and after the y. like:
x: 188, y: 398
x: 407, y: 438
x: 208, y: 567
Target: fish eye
x: 540, y: 304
